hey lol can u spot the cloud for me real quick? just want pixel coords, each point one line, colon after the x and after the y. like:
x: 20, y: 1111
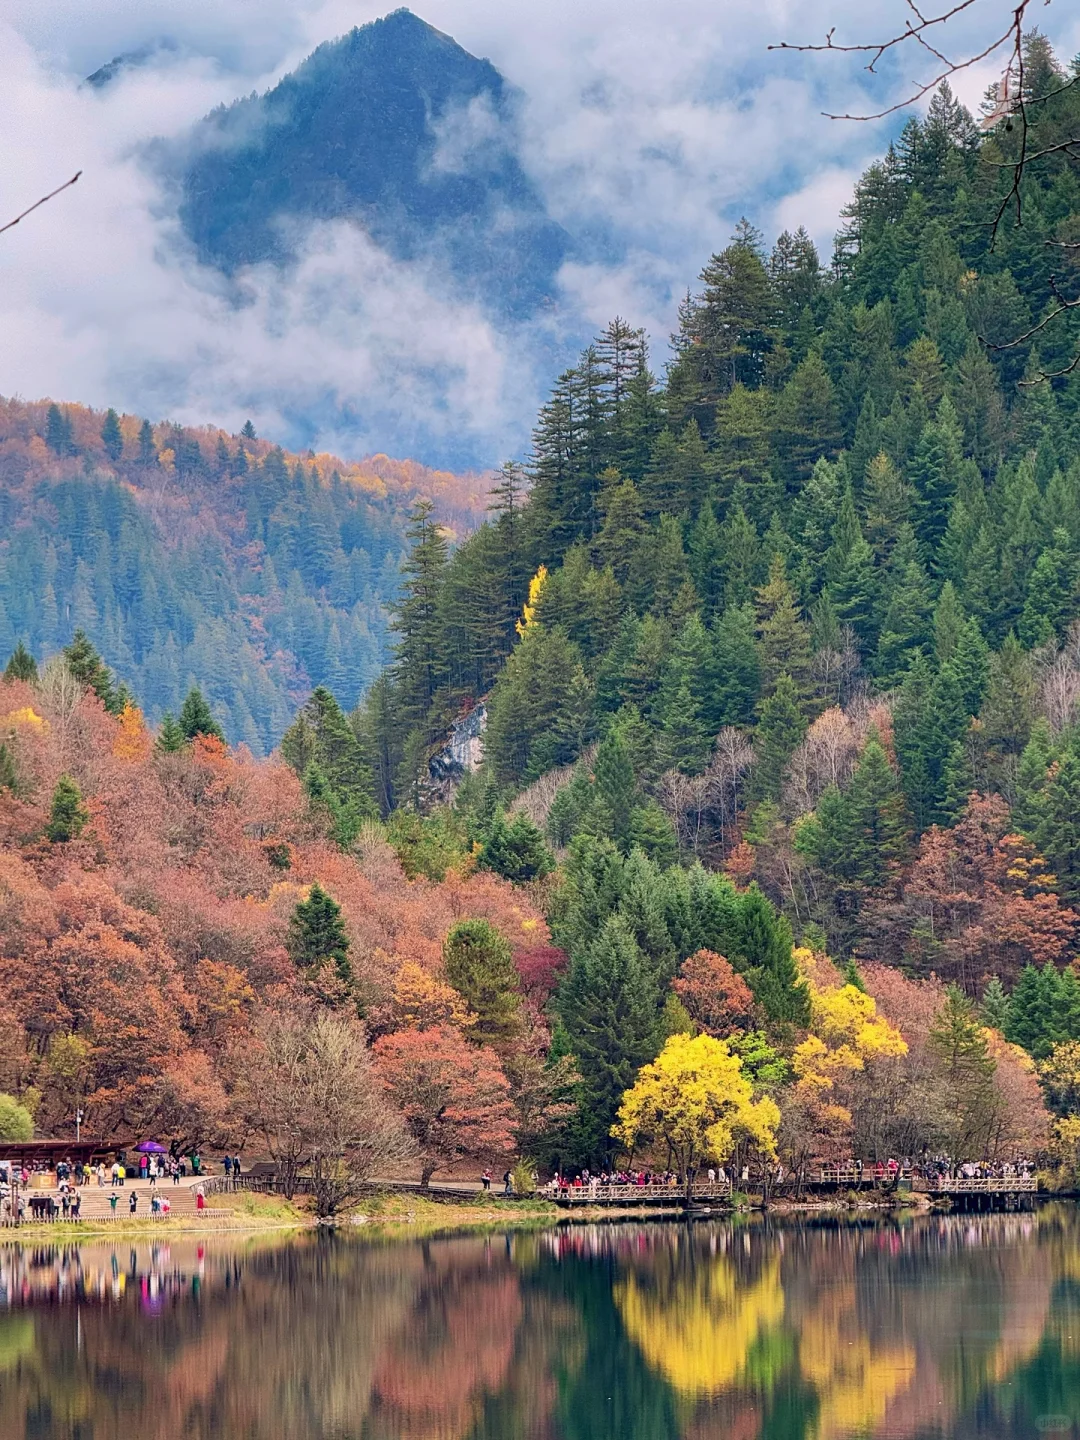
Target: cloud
x: 649, y: 129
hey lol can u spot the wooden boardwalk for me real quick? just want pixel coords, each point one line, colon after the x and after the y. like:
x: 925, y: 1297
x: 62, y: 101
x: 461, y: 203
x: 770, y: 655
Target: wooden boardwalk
x: 631, y: 1194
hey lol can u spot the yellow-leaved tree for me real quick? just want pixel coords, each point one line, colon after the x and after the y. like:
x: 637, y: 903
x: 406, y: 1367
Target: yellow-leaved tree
x: 695, y: 1100
x: 846, y: 1033
x: 536, y: 589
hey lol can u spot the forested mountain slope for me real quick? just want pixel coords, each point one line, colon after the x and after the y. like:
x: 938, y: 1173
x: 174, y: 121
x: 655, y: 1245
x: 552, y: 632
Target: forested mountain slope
x: 814, y: 589
x: 396, y: 128
x: 191, y: 555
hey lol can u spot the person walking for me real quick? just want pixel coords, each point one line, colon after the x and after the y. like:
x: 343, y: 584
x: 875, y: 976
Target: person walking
x: 228, y: 1167
x: 508, y: 1183
x: 152, y: 1173
x: 485, y: 1179
x: 200, y: 1198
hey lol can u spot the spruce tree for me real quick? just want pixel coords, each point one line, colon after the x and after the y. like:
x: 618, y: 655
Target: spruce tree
x: 58, y: 432
x: 783, y: 636
x: 88, y: 668
x: 112, y: 437
x: 616, y: 785
x: 515, y: 848
x: 762, y: 943
x: 994, y: 1006
x: 421, y: 659
x: 480, y: 967
x: 21, y: 665
x: 317, y: 934
x: 610, y: 1005
x: 67, y: 814
x: 1057, y: 832
x: 170, y: 737
x: 968, y: 1069
x: 147, y: 447
x: 877, y: 827
x: 781, y: 727
x: 196, y: 717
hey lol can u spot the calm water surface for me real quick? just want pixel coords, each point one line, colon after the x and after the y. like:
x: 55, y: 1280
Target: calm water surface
x: 967, y: 1326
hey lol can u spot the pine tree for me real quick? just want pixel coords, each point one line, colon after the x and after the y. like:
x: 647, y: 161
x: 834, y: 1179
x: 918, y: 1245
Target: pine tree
x: 112, y: 436
x: 21, y: 665
x: 877, y: 826
x: 421, y: 660
x: 515, y: 848
x: 994, y: 1006
x: 196, y: 717
x: 147, y: 447
x: 170, y: 737
x: 480, y: 967
x: 610, y: 1005
x: 968, y: 1071
x: 58, y: 433
x: 68, y: 816
x: 1058, y: 829
x: 91, y: 672
x: 317, y: 935
x: 781, y: 726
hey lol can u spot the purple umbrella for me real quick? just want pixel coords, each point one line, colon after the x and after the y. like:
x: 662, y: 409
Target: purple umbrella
x: 151, y: 1147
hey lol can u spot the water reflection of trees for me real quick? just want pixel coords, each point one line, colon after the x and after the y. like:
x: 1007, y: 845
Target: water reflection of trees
x: 959, y: 1327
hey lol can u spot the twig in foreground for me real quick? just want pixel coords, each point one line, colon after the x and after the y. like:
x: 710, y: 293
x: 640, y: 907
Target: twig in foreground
x: 67, y: 183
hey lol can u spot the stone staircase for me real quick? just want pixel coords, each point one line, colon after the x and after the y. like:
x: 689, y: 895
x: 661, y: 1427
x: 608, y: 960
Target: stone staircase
x: 95, y: 1200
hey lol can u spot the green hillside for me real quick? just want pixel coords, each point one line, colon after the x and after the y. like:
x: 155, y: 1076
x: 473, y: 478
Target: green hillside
x: 813, y: 587
x: 193, y: 556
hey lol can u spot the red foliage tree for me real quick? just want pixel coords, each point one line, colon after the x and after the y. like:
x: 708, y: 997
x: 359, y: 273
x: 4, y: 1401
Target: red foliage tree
x: 454, y: 1096
x: 718, y: 1000
x: 977, y: 901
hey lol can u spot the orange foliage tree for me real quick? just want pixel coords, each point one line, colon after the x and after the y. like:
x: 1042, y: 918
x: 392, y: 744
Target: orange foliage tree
x: 454, y: 1096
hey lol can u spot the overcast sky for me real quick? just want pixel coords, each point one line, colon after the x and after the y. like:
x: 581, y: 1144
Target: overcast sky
x: 665, y: 118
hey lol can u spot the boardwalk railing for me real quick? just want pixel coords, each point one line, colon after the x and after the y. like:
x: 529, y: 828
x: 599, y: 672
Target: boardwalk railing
x: 850, y: 1172
x: 630, y: 1194
x: 980, y: 1185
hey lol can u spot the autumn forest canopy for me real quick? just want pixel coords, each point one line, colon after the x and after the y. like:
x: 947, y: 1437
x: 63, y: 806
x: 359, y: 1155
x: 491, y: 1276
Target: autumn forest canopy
x: 772, y: 659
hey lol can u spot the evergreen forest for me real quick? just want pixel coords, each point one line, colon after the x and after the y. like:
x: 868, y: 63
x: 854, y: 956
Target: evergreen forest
x: 192, y: 555
x: 772, y: 658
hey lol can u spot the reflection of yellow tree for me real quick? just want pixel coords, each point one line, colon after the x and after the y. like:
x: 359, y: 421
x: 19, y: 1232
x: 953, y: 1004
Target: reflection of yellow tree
x: 854, y: 1379
x: 698, y: 1329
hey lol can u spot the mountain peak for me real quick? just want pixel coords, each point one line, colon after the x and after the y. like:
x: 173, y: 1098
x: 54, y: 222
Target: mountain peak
x: 395, y: 127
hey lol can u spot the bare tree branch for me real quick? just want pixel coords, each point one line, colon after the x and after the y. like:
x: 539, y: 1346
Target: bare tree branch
x: 65, y: 186
x: 1013, y: 105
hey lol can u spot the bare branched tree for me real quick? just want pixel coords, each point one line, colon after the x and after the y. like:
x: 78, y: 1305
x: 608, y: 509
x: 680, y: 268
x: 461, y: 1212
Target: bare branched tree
x: 925, y: 34
x: 31, y: 208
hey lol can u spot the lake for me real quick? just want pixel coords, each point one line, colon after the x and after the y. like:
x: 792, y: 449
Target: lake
x: 962, y: 1326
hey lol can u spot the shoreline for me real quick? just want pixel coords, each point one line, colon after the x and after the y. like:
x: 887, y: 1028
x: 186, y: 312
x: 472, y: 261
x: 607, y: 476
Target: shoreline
x: 409, y: 1214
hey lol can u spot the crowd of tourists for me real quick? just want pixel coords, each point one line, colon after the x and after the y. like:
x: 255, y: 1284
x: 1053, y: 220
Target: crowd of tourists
x: 39, y: 1192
